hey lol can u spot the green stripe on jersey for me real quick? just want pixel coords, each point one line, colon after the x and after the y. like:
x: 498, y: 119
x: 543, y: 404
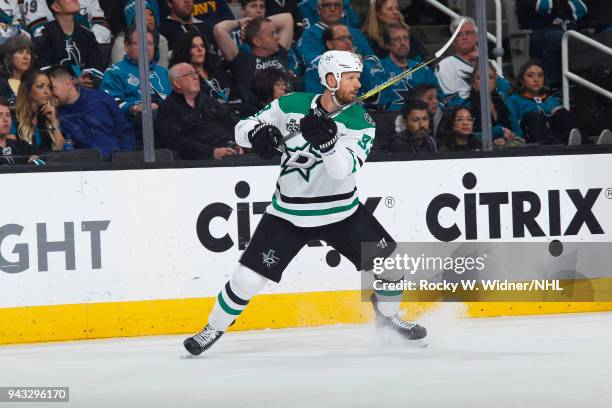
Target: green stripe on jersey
x: 307, y: 213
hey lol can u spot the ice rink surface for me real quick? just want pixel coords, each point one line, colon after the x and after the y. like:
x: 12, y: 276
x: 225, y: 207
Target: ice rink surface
x: 539, y: 361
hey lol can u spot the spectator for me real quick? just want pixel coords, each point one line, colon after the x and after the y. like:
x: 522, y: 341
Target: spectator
x: 459, y: 131
x: 36, y: 14
x: 455, y: 72
x: 336, y: 37
x: 13, y: 151
x: 539, y: 117
x: 500, y: 115
x: 311, y: 44
x: 64, y: 41
x: 274, y: 7
x: 192, y: 122
x: 10, y: 16
x: 266, y: 52
x: 548, y: 20
x: 397, y: 40
x: 122, y: 80
x: 416, y: 136
x: 310, y: 14
x: 380, y: 14
x: 211, y: 11
x: 427, y: 93
x: 113, y: 10
x: 268, y: 85
x: 36, y: 114
x: 181, y: 21
x: 229, y: 34
x: 17, y: 60
x: 193, y: 49
x: 161, y: 44
x: 90, y: 117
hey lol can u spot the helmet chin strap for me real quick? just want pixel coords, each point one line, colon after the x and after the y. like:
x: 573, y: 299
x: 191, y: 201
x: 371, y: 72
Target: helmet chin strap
x: 334, y: 99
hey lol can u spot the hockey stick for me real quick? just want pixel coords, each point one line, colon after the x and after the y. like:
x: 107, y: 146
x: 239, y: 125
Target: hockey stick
x: 385, y: 84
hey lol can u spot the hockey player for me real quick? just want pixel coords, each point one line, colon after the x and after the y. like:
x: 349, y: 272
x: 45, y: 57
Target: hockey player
x: 315, y: 198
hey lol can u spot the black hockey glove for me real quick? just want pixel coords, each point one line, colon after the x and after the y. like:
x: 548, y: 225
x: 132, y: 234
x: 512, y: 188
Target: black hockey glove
x: 265, y: 139
x: 319, y: 131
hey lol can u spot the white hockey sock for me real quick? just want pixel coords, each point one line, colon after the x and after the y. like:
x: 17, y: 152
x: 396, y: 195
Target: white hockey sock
x: 389, y: 300
x: 235, y: 296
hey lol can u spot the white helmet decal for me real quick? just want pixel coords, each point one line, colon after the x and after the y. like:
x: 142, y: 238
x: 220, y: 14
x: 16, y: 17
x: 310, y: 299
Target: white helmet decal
x: 336, y: 63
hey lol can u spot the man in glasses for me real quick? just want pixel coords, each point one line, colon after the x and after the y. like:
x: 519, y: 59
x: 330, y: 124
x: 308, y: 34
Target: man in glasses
x: 310, y: 15
x: 192, y: 122
x: 454, y: 73
x: 311, y: 45
x: 337, y: 37
x: 397, y: 41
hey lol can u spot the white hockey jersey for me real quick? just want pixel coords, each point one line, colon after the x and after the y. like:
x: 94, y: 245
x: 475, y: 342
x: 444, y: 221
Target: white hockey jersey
x: 455, y: 75
x: 314, y: 189
x: 36, y: 14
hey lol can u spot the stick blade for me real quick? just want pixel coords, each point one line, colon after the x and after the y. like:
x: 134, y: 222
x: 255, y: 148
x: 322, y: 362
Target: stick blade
x: 442, y: 50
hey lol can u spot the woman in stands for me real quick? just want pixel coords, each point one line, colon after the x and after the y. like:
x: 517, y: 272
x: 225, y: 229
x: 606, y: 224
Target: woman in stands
x: 383, y: 12
x: 36, y: 113
x: 500, y: 114
x: 193, y: 49
x: 537, y: 116
x: 269, y: 85
x: 17, y: 60
x: 459, y: 131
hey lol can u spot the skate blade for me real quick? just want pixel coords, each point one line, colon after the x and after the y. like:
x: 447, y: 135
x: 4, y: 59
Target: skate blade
x: 390, y: 338
x: 187, y: 356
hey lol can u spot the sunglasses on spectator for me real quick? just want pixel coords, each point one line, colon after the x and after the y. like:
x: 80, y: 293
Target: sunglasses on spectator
x: 330, y: 5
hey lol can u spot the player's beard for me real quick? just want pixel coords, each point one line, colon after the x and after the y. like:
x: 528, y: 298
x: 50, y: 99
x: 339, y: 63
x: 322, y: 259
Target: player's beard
x: 344, y: 97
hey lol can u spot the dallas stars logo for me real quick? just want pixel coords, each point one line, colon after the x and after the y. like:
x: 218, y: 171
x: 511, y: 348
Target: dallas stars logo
x: 301, y: 159
x: 269, y: 259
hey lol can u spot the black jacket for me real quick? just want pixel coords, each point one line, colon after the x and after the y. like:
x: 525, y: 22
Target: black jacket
x: 194, y: 133
x: 562, y: 15
x: 405, y: 143
x: 53, y: 47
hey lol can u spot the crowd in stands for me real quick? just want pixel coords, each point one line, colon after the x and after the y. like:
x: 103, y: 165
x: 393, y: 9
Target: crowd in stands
x: 69, y: 76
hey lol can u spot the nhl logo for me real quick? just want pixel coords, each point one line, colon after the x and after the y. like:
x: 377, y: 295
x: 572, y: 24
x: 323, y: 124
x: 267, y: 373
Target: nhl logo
x: 132, y: 80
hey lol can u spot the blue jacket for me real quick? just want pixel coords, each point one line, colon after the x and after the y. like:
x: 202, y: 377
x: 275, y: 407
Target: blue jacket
x: 519, y: 105
x: 310, y: 45
x: 393, y: 97
x: 129, y: 12
x: 95, y: 122
x: 122, y: 82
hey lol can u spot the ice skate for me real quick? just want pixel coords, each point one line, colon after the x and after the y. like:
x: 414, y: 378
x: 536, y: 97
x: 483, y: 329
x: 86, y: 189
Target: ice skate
x: 202, y: 341
x: 394, y: 329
